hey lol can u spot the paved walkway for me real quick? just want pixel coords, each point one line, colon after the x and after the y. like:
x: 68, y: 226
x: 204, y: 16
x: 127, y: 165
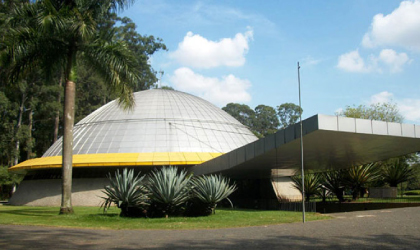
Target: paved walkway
x: 378, y: 229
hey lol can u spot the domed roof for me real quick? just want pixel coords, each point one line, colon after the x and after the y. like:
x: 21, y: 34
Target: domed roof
x: 161, y: 121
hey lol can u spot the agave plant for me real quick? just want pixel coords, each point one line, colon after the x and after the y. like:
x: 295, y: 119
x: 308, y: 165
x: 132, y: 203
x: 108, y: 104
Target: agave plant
x: 168, y: 190
x: 207, y: 191
x: 127, y: 192
x: 312, y: 183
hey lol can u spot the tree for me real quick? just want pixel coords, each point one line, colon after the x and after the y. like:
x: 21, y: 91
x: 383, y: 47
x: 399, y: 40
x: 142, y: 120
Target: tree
x: 243, y: 113
x: 289, y: 113
x: 58, y: 36
x: 266, y: 120
x: 378, y: 111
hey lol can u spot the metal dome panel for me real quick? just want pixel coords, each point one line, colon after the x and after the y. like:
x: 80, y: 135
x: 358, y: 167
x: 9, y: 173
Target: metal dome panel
x: 161, y: 121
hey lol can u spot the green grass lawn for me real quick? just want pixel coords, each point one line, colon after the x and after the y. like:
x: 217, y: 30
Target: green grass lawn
x: 92, y: 217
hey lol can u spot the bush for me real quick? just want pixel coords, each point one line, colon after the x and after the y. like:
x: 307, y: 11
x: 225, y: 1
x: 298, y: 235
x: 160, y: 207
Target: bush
x: 7, y: 182
x: 412, y: 192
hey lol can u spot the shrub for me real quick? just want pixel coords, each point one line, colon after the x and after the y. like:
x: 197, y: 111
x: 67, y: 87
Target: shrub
x: 207, y: 191
x: 168, y: 191
x: 127, y: 192
x: 7, y: 182
x: 412, y: 192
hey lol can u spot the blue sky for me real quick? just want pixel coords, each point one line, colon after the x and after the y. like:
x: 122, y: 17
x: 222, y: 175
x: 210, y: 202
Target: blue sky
x: 350, y: 52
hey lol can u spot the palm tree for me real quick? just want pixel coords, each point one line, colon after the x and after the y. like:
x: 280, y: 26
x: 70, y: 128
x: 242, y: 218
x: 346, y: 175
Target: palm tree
x: 59, y: 35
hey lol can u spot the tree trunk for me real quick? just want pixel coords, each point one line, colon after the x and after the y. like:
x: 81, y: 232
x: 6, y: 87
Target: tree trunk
x: 29, y: 156
x: 57, y: 115
x: 68, y: 118
x: 67, y: 168
x: 19, y: 124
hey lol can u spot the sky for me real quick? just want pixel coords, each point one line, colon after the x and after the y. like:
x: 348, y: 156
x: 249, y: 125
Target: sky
x: 350, y: 52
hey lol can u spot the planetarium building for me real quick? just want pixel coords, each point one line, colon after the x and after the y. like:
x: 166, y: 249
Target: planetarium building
x: 165, y: 127
x: 168, y: 127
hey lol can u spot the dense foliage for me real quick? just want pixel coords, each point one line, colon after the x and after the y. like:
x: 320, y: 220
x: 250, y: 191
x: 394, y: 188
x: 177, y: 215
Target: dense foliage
x: 7, y: 182
x: 31, y: 103
x: 264, y: 120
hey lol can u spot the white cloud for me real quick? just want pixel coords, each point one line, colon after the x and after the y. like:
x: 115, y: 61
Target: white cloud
x: 218, y: 91
x: 352, y: 62
x: 199, y: 52
x: 400, y: 28
x: 393, y: 61
x: 382, y: 97
x: 408, y: 107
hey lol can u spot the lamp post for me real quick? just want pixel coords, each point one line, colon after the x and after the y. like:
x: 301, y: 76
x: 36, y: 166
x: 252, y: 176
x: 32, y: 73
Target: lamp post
x: 301, y: 148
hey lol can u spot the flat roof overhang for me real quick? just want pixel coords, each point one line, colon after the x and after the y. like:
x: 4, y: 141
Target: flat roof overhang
x: 329, y: 142
x: 142, y: 160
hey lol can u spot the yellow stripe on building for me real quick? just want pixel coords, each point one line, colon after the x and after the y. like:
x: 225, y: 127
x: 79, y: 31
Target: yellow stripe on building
x: 119, y: 159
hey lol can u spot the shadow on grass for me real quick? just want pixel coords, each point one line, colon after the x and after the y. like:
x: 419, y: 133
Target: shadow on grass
x: 31, y: 212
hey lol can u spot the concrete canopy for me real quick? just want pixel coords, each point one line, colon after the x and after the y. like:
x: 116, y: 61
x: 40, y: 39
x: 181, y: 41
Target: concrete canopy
x: 329, y: 142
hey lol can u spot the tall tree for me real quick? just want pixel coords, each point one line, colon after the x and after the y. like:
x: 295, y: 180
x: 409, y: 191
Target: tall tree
x: 241, y: 112
x: 288, y: 113
x: 57, y: 36
x: 266, y: 120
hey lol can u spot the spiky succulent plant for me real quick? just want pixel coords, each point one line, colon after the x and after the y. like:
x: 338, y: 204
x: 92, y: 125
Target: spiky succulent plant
x: 209, y: 190
x: 127, y: 191
x: 168, y: 189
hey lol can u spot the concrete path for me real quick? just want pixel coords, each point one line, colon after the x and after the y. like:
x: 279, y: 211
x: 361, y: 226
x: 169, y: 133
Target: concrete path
x: 378, y: 229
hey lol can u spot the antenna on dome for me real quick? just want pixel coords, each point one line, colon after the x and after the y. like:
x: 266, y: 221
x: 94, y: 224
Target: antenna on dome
x: 159, y: 79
